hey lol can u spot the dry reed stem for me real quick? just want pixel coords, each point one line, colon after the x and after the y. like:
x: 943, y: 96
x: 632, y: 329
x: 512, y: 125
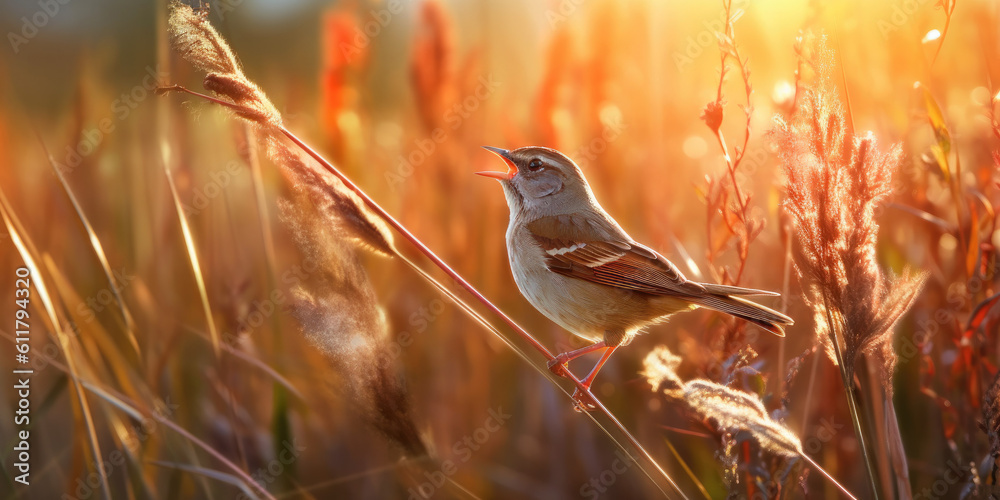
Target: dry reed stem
x: 949, y: 8
x: 95, y: 243
x: 192, y: 255
x: 249, y: 102
x: 280, y: 410
x: 129, y: 407
x: 836, y: 182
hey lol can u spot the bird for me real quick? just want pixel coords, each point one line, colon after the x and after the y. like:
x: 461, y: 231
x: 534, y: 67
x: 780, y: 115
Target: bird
x: 574, y: 263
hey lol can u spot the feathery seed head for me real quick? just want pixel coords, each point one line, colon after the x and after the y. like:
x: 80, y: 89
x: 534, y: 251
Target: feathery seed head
x: 836, y: 181
x: 194, y: 38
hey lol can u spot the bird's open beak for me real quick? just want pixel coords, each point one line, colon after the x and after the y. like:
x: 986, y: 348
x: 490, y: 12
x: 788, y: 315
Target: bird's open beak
x: 505, y: 156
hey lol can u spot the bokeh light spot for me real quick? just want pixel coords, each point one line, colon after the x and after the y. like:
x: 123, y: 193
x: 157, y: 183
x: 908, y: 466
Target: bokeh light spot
x: 695, y: 147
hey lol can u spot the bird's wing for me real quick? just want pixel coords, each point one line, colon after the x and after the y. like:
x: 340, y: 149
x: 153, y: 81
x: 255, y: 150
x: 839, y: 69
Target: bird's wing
x: 593, y: 248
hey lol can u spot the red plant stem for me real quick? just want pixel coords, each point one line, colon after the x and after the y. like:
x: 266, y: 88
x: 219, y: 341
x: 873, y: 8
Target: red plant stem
x: 479, y: 296
x: 746, y: 457
x: 733, y: 162
x: 527, y: 337
x: 389, y: 219
x: 949, y: 8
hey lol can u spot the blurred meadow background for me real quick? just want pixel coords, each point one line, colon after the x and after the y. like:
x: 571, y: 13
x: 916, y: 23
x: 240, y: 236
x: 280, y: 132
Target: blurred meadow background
x: 191, y: 363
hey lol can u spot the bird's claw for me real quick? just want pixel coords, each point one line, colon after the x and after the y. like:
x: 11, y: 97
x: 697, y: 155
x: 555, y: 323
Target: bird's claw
x: 584, y: 401
x: 558, y: 365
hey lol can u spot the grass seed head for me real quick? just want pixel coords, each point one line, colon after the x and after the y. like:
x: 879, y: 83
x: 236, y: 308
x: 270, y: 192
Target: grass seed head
x: 836, y: 181
x: 732, y: 411
x: 194, y: 38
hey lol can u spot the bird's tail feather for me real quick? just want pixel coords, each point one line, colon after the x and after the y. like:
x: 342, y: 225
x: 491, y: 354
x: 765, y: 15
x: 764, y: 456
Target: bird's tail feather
x: 764, y: 317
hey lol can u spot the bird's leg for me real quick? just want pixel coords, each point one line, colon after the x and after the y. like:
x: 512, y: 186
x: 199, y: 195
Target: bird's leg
x: 583, y: 399
x: 558, y: 365
x: 593, y: 373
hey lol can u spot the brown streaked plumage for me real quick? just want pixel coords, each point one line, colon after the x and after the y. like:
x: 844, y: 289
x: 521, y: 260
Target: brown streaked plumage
x: 577, y: 266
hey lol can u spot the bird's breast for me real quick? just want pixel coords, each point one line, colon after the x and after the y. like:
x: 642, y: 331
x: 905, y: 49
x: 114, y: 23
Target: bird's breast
x: 559, y: 298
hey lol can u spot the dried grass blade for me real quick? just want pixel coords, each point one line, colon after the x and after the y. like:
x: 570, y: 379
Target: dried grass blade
x: 475, y: 315
x: 102, y: 348
x: 687, y: 470
x: 305, y: 489
x: 209, y: 473
x: 192, y: 254
x: 123, y: 403
x: 933, y: 219
x: 522, y: 333
x: 281, y: 427
x: 847, y: 377
x: 278, y: 378
x: 27, y: 249
x: 686, y: 257
x: 95, y: 243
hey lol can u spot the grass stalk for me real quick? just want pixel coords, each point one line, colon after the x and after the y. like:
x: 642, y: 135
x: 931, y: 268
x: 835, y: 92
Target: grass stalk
x: 126, y: 405
x: 518, y: 330
x: 856, y: 416
x: 27, y: 251
x: 827, y: 475
x: 281, y: 426
x: 192, y: 254
x: 95, y: 243
x: 650, y: 467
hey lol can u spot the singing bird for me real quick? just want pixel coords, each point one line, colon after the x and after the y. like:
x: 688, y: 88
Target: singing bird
x: 577, y: 266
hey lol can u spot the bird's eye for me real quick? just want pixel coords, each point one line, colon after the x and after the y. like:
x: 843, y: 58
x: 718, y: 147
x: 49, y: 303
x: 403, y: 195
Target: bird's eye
x: 535, y: 164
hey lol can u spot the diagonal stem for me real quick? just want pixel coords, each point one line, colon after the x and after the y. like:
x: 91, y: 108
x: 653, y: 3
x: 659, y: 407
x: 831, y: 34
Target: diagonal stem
x: 527, y: 337
x: 827, y: 475
x: 852, y: 402
x: 427, y: 252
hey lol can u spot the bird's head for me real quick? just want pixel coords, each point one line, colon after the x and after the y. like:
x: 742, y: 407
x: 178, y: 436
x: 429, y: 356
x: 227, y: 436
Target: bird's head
x: 541, y: 180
